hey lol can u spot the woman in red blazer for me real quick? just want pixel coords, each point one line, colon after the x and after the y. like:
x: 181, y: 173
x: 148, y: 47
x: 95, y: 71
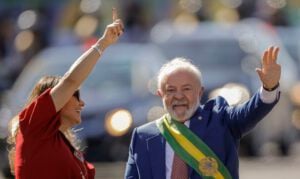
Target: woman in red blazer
x: 43, y: 145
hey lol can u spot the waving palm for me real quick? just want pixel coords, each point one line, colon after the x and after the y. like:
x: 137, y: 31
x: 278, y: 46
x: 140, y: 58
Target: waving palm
x: 270, y: 71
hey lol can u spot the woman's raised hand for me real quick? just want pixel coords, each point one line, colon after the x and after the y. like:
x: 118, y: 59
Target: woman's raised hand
x: 113, y: 31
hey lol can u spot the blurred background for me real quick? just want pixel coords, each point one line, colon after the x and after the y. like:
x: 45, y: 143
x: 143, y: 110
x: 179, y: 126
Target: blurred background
x: 224, y: 38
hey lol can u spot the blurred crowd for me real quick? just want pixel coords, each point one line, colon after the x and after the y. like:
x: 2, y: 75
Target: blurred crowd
x: 29, y: 26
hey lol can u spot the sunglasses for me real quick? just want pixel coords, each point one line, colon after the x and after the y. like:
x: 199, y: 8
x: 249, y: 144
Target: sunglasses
x: 77, y: 95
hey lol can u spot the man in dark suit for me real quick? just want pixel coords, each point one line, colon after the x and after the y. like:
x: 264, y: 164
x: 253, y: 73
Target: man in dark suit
x: 198, y: 141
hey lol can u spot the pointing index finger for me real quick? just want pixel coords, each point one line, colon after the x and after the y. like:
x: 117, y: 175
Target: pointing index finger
x: 114, y: 14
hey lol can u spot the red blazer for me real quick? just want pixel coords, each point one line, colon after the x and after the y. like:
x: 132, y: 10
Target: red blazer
x: 42, y: 150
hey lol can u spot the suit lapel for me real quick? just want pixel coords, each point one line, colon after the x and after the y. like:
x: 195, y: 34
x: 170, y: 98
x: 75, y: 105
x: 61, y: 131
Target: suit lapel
x: 199, y: 122
x: 156, y: 145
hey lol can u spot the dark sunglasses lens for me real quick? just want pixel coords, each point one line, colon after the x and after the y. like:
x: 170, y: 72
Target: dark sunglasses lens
x: 77, y: 95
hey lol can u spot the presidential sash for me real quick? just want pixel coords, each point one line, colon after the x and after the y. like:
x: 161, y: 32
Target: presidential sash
x: 192, y: 149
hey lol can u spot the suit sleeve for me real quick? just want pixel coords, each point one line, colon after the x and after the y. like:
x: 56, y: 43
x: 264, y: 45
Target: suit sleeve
x: 131, y: 171
x: 242, y: 118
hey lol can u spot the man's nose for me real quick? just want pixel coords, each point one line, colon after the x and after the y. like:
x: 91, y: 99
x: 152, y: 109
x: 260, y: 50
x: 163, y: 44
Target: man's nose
x: 179, y: 95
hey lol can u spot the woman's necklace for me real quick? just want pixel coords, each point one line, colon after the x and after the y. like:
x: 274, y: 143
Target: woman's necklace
x: 80, y: 157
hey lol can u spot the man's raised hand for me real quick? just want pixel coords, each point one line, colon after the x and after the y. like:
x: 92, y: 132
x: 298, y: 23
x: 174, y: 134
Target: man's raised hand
x: 270, y: 71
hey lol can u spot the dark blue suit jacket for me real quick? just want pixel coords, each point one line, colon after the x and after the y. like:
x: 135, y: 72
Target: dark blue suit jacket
x: 216, y: 123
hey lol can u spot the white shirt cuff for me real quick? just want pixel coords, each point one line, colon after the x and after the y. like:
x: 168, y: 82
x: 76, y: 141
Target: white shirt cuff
x: 268, y: 96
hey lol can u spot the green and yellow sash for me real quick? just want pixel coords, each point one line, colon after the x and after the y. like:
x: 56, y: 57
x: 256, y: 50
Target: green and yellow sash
x: 192, y: 149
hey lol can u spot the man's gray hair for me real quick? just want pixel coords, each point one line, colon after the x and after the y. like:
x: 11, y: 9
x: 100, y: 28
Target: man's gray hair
x: 176, y: 64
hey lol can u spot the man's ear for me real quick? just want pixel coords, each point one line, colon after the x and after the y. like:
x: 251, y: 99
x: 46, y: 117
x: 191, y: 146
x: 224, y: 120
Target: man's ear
x: 159, y: 93
x: 201, y: 92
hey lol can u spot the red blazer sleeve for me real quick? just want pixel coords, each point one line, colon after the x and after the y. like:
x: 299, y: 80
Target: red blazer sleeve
x: 40, y: 117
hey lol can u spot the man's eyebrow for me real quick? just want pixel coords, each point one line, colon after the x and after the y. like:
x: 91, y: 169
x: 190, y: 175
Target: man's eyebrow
x: 187, y: 85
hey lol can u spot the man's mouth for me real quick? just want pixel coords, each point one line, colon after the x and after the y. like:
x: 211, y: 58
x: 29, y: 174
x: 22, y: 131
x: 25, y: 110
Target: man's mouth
x: 179, y: 106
